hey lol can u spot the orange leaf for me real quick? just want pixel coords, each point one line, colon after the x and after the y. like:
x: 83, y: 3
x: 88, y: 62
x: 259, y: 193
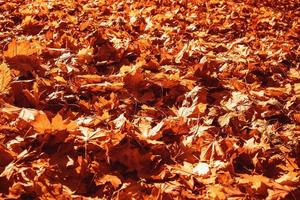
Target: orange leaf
x: 41, y: 123
x: 57, y: 123
x: 296, y: 117
x: 5, y: 78
x: 257, y: 182
x: 114, y: 180
x: 216, y: 192
x: 21, y: 48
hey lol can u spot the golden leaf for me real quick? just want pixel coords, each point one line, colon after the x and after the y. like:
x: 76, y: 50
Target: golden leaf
x: 5, y: 78
x: 216, y: 192
x: 258, y: 183
x: 21, y: 48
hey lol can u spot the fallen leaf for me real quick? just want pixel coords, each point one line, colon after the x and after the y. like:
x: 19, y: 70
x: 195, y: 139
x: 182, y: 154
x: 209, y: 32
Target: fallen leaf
x: 216, y: 192
x: 114, y: 180
x: 201, y: 169
x: 41, y: 123
x: 5, y: 78
x: 21, y: 48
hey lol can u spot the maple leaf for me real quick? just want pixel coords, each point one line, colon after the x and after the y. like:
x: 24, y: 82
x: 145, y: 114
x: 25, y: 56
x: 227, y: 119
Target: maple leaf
x: 41, y: 124
x: 196, y: 93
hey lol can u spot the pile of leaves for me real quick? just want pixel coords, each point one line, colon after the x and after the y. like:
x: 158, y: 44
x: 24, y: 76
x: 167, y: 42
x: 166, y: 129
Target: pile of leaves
x: 162, y: 99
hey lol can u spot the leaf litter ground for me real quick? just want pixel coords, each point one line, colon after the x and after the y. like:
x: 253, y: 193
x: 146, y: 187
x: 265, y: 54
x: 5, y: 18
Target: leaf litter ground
x: 149, y: 99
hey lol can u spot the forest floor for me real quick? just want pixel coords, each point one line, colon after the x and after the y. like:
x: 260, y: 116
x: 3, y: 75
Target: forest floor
x: 150, y: 99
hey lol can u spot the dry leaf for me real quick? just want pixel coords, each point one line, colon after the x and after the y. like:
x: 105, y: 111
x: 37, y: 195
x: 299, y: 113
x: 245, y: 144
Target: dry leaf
x: 257, y: 182
x: 41, y: 123
x: 149, y: 99
x: 21, y: 48
x: 216, y: 192
x: 201, y: 169
x: 5, y: 78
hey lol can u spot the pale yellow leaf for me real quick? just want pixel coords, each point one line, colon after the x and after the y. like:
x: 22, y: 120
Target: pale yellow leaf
x: 201, y: 169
